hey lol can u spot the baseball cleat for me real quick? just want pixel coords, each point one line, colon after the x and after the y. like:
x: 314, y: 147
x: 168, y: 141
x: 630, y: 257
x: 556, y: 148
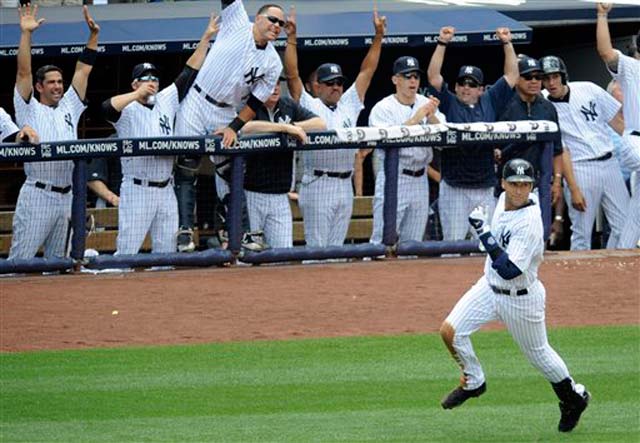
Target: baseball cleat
x: 570, y: 412
x: 460, y: 395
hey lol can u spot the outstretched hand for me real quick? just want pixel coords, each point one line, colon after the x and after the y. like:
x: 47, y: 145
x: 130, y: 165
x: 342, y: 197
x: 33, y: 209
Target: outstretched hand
x: 446, y: 33
x: 214, y: 25
x: 229, y: 136
x: 604, y: 8
x: 504, y: 34
x: 379, y: 22
x: 479, y: 219
x: 91, y: 23
x: 291, y: 27
x: 28, y: 20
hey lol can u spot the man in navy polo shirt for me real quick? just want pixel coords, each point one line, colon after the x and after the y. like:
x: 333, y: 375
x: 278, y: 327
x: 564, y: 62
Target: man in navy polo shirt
x: 468, y: 173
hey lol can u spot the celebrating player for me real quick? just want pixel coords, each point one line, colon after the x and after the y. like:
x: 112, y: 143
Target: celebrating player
x: 147, y: 201
x: 405, y: 107
x: 510, y: 291
x: 326, y: 194
x: 44, y: 204
x: 583, y: 111
x: 468, y: 174
x: 268, y: 176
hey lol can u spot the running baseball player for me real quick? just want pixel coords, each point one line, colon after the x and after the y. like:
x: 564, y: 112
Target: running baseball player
x: 468, y: 173
x: 147, y: 201
x: 626, y: 70
x: 44, y: 204
x: 405, y: 107
x: 510, y: 291
x: 583, y: 111
x: 269, y: 176
x: 326, y: 193
x: 237, y: 77
x: 10, y: 133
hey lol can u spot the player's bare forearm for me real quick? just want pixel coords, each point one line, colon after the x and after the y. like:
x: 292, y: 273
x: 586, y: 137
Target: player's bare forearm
x: 434, y: 174
x: 511, y: 72
x: 435, y: 67
x: 102, y: 191
x: 262, y: 127
x: 23, y: 75
x: 294, y: 82
x: 313, y: 124
x: 369, y: 66
x: 603, y: 37
x: 617, y: 122
x: 119, y: 102
x: 84, y: 66
x: 197, y: 58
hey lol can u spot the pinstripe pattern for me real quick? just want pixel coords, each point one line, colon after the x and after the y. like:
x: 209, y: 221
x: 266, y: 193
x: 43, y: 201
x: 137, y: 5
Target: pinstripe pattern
x: 413, y: 192
x: 628, y: 75
x: 520, y: 234
x: 456, y: 203
x: 271, y: 213
x: 143, y: 208
x: 601, y: 184
x: 42, y: 216
x: 327, y: 203
x: 630, y: 236
x: 7, y: 126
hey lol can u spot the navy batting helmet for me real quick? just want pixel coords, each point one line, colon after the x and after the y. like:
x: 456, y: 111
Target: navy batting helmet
x: 552, y: 64
x: 518, y: 170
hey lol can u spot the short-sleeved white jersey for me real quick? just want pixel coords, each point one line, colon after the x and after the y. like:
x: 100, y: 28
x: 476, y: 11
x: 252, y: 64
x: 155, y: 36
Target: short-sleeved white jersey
x: 520, y: 234
x: 628, y: 75
x: 343, y: 115
x: 138, y: 120
x: 584, y: 119
x: 52, y: 124
x: 7, y: 126
x: 235, y: 67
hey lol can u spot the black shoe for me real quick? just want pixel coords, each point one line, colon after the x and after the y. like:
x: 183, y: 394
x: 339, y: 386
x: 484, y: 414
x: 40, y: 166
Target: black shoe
x: 459, y: 396
x: 570, y: 412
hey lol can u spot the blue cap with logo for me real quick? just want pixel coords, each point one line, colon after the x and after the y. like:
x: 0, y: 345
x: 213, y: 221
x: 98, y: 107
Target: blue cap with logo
x: 144, y: 68
x: 526, y: 65
x: 329, y: 71
x: 472, y: 72
x: 406, y: 64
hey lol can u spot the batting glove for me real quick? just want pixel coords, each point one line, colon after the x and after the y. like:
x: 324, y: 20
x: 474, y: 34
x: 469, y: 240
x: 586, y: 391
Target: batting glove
x: 479, y: 219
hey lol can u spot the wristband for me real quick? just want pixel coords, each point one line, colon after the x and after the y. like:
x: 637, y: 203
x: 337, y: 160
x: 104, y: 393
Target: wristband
x: 442, y: 43
x: 88, y: 56
x: 506, y: 43
x: 237, y: 124
x: 559, y: 218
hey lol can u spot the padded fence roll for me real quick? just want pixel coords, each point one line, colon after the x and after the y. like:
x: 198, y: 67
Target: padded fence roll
x: 544, y: 187
x: 79, y: 209
x: 235, y: 203
x: 390, y: 205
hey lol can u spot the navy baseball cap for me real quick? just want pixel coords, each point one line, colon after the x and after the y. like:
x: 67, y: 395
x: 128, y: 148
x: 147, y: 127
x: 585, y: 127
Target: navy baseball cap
x: 527, y: 65
x: 144, y: 68
x: 329, y: 71
x: 472, y: 72
x: 406, y: 64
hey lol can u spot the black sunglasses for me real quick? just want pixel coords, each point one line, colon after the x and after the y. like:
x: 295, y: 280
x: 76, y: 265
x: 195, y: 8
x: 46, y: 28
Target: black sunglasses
x: 529, y: 77
x: 148, y: 78
x: 468, y: 82
x: 275, y: 20
x: 335, y: 82
x: 410, y: 75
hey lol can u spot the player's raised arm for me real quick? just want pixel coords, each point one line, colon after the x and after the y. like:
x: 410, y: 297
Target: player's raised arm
x: 197, y: 58
x: 370, y: 62
x: 437, y: 58
x: 603, y: 38
x: 294, y: 82
x: 88, y: 56
x: 28, y: 23
x: 511, y: 72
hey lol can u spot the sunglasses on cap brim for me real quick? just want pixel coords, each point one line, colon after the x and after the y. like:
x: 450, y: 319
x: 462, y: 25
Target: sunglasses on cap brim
x: 148, y: 78
x: 334, y: 82
x: 410, y: 75
x: 468, y: 82
x: 529, y: 77
x: 275, y: 20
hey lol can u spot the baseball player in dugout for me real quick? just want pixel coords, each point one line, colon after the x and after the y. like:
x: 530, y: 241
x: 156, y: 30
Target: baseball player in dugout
x: 10, y: 133
x: 147, y: 200
x: 510, y: 291
x: 529, y: 104
x: 227, y: 94
x: 468, y: 174
x: 44, y: 204
x: 269, y: 176
x: 626, y: 70
x: 326, y: 192
x: 405, y: 107
x: 584, y: 109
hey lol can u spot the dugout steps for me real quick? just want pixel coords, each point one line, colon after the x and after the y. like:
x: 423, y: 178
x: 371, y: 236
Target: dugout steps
x: 105, y: 231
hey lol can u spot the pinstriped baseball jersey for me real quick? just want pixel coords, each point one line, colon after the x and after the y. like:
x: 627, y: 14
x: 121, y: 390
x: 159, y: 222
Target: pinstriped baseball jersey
x: 234, y: 66
x: 52, y: 124
x: 7, y: 126
x: 628, y: 75
x: 345, y: 115
x: 583, y: 119
x: 520, y: 234
x: 138, y: 120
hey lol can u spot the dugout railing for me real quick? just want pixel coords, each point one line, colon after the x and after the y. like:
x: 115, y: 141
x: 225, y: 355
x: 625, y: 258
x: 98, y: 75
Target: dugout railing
x: 390, y: 139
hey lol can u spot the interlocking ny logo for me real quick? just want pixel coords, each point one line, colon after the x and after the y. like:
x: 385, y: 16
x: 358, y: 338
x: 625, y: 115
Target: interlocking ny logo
x: 252, y: 76
x: 68, y: 121
x: 505, y: 237
x: 468, y: 70
x: 411, y: 62
x: 520, y: 170
x: 589, y: 114
x: 165, y: 125
x: 334, y: 70
x: 531, y: 63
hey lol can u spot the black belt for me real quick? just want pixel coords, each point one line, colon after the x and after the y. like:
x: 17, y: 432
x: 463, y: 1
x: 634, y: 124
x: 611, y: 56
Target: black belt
x: 409, y: 172
x: 331, y: 174
x: 210, y: 99
x: 636, y: 133
x: 137, y: 181
x: 607, y: 156
x: 58, y: 189
x: 508, y: 292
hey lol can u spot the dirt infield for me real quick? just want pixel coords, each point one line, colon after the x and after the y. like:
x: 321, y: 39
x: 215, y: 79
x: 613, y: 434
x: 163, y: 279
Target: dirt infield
x: 280, y: 302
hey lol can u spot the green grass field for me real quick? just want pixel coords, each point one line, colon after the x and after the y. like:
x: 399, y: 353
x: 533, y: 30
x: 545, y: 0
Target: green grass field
x: 347, y: 389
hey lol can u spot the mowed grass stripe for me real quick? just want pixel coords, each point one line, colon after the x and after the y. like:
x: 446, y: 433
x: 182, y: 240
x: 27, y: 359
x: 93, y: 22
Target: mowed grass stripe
x: 347, y: 389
